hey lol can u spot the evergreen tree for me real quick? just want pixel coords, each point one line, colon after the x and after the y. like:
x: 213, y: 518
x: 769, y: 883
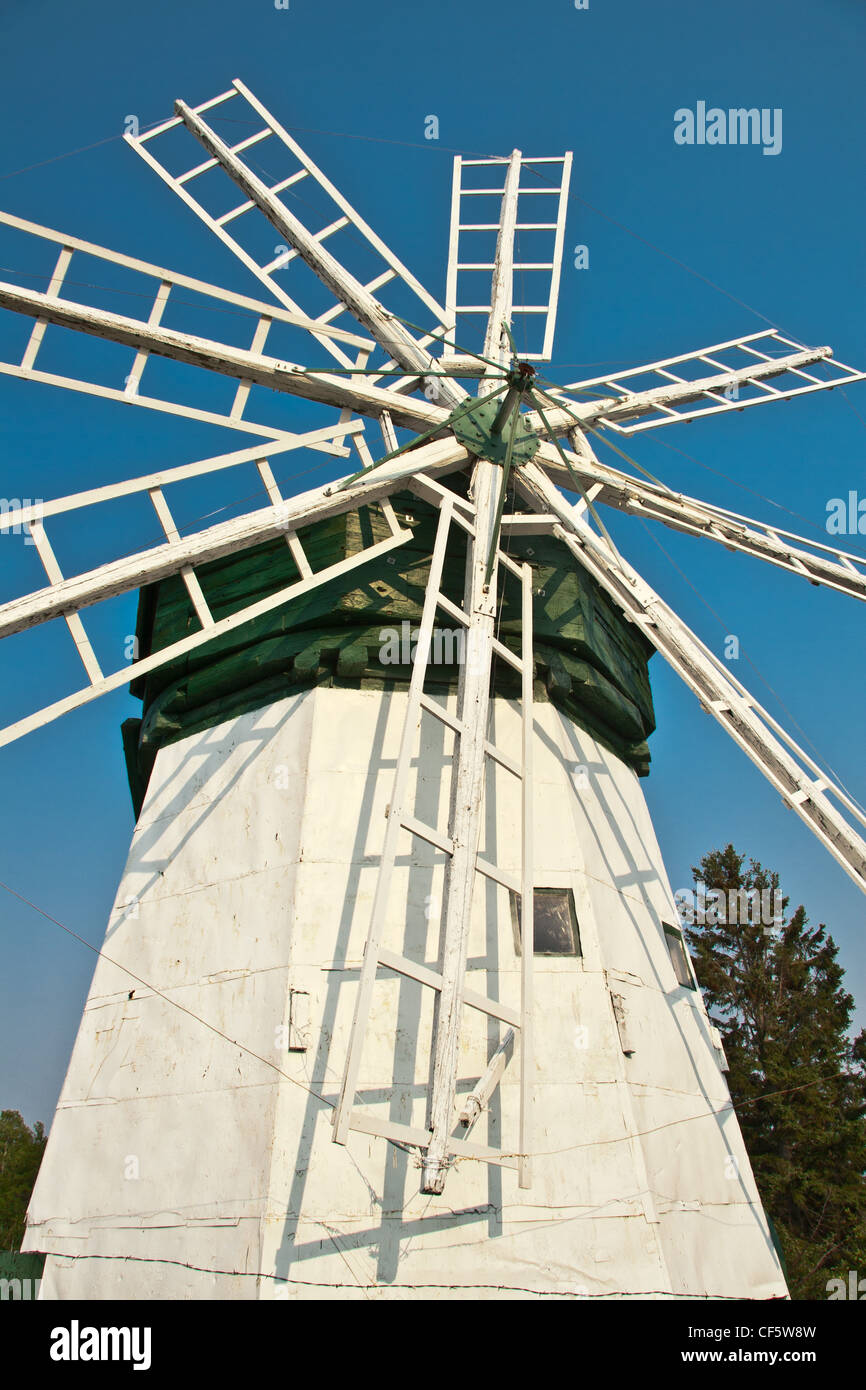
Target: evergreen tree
x: 21, y: 1150
x: 797, y: 1079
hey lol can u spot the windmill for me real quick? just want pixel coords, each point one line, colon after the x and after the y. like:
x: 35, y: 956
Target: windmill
x: 387, y: 722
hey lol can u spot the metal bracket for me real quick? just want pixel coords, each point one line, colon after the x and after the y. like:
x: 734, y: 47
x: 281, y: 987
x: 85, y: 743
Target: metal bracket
x: 474, y: 429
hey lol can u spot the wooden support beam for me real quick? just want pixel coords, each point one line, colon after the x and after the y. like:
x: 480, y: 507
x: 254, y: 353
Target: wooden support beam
x: 494, y: 1008
x: 473, y: 703
x: 419, y: 1138
x: 480, y: 1094
x: 186, y: 572
x: 527, y: 879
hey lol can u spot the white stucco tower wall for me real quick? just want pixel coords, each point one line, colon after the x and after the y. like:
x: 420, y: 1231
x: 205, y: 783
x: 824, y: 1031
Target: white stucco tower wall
x: 191, y: 1154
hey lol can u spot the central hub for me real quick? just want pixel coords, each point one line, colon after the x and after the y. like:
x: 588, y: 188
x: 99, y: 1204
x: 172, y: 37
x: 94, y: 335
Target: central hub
x: 521, y: 375
x: 486, y: 428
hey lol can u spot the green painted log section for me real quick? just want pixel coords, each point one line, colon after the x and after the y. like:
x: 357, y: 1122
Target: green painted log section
x: 588, y: 660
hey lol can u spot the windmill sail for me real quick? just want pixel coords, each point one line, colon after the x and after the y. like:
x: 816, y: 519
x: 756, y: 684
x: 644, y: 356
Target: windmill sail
x: 264, y: 198
x: 734, y: 375
x: 542, y: 200
x: 829, y: 565
x: 166, y: 294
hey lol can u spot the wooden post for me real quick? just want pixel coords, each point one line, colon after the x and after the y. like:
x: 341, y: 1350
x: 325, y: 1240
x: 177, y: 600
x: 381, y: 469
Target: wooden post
x: 527, y: 882
x: 474, y: 702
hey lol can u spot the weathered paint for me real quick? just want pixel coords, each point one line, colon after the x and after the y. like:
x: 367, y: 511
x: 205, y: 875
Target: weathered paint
x: 181, y: 1166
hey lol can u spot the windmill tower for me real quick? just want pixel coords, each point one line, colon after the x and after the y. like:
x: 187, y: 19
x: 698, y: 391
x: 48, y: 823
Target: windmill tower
x: 386, y: 723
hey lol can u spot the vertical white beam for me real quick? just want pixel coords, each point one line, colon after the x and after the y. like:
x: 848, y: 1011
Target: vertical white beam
x: 453, y: 251
x: 474, y: 703
x: 46, y: 554
x: 527, y: 883
x: 244, y: 387
x: 298, y: 555
x: 389, y: 434
x: 35, y: 340
x: 552, y: 303
x: 187, y: 574
x: 154, y: 318
x: 343, y: 1112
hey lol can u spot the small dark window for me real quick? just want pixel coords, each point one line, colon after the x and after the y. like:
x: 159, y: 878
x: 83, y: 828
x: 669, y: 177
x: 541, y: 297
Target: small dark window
x: 556, y: 930
x: 679, y: 956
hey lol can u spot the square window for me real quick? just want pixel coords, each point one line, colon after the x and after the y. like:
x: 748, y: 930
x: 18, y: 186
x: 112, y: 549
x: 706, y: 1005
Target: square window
x: 556, y: 930
x: 679, y: 957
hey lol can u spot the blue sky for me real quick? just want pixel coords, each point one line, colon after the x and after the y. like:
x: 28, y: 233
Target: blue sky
x: 781, y: 234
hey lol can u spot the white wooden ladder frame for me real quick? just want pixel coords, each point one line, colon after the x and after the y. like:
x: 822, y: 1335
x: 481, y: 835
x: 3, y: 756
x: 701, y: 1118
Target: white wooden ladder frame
x: 346, y: 1116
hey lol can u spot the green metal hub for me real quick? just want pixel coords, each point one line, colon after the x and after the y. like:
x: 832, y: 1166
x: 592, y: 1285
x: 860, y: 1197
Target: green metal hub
x: 476, y: 430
